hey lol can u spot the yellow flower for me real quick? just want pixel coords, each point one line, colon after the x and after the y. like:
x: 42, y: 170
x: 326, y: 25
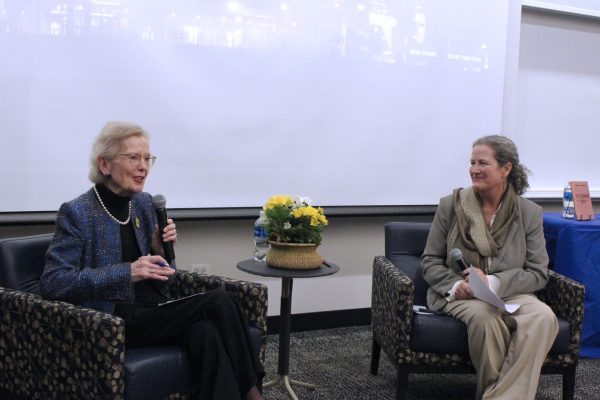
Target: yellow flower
x: 292, y: 219
x: 322, y: 218
x: 278, y: 199
x: 316, y: 216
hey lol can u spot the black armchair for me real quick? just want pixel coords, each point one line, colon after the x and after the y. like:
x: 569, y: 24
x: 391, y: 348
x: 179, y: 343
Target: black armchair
x: 412, y: 341
x: 55, y: 350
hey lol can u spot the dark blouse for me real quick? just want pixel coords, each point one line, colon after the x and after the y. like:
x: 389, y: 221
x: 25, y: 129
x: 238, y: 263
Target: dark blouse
x: 147, y: 292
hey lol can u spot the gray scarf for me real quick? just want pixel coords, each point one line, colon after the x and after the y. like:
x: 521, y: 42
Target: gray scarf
x: 470, y: 233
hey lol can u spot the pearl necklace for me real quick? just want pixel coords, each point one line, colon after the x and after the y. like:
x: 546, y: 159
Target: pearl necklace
x: 109, y: 214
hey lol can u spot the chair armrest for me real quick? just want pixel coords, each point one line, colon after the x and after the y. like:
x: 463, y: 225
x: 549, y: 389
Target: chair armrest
x: 253, y: 297
x: 566, y: 298
x: 392, y: 309
x: 58, y: 348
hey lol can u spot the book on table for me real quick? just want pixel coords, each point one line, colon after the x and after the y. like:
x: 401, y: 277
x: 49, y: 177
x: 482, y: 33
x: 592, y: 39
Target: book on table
x: 582, y: 201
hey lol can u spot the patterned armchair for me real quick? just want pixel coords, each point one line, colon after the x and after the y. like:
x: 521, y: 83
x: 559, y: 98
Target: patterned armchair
x: 55, y: 350
x: 413, y: 342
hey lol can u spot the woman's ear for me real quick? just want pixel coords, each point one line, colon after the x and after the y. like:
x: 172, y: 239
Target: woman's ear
x: 103, y: 166
x: 506, y: 168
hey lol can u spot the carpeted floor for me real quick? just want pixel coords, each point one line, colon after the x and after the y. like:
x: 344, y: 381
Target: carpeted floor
x: 337, y: 360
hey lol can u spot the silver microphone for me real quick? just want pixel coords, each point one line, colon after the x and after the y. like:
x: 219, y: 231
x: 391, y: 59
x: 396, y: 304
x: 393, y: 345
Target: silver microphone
x: 457, y: 257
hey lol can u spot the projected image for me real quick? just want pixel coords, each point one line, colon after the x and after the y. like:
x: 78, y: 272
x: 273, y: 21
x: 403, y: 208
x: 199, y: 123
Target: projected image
x: 246, y: 98
x: 410, y: 32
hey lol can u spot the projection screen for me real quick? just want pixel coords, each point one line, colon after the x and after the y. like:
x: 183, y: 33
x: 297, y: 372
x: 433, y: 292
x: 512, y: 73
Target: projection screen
x: 349, y: 102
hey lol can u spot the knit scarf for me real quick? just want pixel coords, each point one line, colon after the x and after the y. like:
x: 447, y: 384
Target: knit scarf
x: 470, y: 233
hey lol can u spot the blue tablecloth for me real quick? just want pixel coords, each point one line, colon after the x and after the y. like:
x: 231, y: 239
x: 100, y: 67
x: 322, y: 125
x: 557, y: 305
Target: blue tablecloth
x: 574, y: 251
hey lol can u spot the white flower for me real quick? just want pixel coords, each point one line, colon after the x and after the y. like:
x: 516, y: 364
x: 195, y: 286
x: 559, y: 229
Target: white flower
x: 287, y: 225
x: 302, y: 201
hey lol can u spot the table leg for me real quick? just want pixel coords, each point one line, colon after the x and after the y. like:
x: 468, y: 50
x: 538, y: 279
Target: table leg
x: 284, y: 343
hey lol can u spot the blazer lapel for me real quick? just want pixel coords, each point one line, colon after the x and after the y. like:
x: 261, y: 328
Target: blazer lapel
x: 139, y: 227
x: 107, y: 235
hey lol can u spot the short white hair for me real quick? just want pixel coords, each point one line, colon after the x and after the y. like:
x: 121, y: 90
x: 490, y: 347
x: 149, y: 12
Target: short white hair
x: 108, y: 142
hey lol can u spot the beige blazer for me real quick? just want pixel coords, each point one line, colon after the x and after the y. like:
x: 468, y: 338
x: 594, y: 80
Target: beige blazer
x: 521, y: 266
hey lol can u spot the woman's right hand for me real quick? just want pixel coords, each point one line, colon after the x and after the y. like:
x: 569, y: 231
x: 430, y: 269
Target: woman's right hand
x: 149, y: 267
x: 463, y: 291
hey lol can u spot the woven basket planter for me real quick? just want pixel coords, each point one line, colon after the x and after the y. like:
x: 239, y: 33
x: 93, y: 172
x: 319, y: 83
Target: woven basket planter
x: 294, y: 255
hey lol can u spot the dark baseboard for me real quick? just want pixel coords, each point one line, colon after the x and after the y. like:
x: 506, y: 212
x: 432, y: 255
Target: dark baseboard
x: 322, y: 320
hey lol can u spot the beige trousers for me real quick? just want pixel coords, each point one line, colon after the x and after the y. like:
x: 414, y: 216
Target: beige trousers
x: 507, y: 350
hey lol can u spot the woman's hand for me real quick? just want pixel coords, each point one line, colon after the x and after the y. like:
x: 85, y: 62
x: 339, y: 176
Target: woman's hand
x: 169, y: 234
x: 150, y: 267
x: 464, y: 291
x: 474, y: 270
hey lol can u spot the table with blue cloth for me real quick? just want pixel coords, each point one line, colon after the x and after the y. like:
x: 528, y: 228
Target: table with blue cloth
x: 574, y: 250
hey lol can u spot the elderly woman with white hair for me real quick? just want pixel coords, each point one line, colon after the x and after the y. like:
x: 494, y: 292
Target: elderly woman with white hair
x: 107, y: 254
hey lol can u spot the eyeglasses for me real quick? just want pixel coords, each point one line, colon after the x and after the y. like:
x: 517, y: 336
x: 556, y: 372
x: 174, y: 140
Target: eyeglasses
x: 136, y: 159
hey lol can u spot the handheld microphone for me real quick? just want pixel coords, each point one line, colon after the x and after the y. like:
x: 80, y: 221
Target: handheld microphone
x: 457, y: 257
x: 159, y: 202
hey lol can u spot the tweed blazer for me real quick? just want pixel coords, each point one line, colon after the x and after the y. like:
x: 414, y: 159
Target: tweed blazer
x: 521, y: 266
x: 83, y: 262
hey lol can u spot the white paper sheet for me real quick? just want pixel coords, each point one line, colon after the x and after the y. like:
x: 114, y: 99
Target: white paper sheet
x: 483, y: 292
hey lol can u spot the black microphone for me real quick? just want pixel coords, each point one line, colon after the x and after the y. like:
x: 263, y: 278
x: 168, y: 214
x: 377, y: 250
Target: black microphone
x: 159, y: 202
x: 457, y: 257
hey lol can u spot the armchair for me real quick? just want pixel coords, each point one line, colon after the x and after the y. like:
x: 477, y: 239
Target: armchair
x: 412, y: 341
x: 55, y: 350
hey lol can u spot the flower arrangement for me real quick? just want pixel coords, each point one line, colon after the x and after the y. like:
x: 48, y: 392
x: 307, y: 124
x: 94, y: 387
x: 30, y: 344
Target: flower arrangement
x: 293, y: 220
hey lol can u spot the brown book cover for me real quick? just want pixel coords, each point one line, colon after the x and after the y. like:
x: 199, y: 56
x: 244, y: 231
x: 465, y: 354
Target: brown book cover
x: 582, y: 200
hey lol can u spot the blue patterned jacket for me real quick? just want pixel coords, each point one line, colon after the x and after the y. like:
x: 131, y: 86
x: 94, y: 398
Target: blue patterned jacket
x: 83, y: 262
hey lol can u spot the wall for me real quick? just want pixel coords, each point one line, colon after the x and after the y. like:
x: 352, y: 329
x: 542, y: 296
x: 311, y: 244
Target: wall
x: 558, y: 98
x: 349, y: 242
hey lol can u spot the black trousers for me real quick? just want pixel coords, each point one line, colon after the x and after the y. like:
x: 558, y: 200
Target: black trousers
x: 212, y: 329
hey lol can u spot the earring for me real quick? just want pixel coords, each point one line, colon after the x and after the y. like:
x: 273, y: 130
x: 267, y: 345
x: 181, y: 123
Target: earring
x: 108, y: 175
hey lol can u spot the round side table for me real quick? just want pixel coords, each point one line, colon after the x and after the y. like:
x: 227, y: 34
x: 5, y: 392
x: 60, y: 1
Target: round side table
x: 287, y: 276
